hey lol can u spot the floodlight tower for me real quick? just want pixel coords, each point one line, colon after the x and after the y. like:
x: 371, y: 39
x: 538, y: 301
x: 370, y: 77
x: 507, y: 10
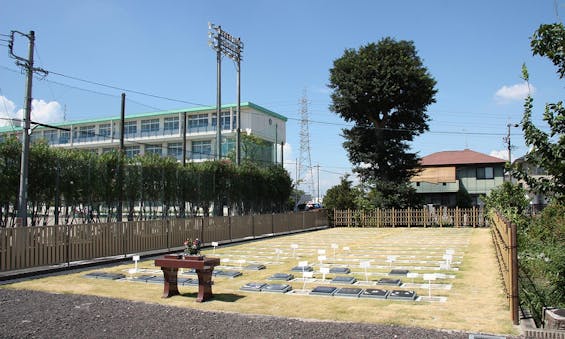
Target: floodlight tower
x: 224, y: 43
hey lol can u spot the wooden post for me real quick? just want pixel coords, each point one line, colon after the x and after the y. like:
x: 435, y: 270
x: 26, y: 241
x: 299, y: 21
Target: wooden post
x: 513, y: 272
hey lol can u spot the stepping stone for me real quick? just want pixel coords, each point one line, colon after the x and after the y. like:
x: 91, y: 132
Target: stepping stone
x: 374, y: 293
x: 142, y: 278
x: 281, y: 276
x: 402, y: 295
x: 276, y: 288
x: 229, y: 274
x: 254, y: 267
x: 398, y: 272
x: 348, y: 292
x: 323, y: 290
x: 390, y: 282
x: 302, y: 268
x: 253, y: 287
x: 340, y: 270
x: 344, y: 280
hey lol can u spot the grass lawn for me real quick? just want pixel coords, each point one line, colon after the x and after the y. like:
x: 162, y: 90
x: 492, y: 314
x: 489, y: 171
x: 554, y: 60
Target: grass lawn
x: 474, y: 299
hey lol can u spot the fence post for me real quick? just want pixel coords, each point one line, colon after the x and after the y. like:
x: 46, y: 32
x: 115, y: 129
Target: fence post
x: 393, y: 217
x: 513, y: 267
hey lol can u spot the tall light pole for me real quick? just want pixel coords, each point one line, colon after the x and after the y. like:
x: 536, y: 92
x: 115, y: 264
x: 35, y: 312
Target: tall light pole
x: 26, y: 121
x: 224, y: 43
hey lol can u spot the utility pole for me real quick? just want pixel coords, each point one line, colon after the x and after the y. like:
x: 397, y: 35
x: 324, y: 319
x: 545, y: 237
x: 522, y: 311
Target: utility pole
x: 318, y: 177
x: 223, y: 42
x: 28, y: 65
x: 508, y: 143
x: 121, y: 159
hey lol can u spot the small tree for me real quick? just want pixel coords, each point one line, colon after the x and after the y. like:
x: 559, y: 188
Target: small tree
x: 547, y: 149
x: 342, y: 196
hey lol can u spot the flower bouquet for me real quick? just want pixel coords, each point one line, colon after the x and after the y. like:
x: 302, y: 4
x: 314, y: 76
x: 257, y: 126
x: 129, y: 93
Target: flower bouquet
x: 192, y: 247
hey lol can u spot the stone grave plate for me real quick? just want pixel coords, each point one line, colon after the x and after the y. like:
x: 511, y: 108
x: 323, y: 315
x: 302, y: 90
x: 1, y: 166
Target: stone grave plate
x: 190, y: 271
x: 94, y: 275
x: 375, y: 293
x: 302, y: 268
x: 191, y: 282
x: 156, y: 280
x: 340, y: 270
x: 253, y: 287
x: 398, y: 272
x: 229, y: 274
x: 348, y: 292
x: 142, y: 278
x: 254, y: 267
x: 277, y: 288
x: 390, y: 282
x: 344, y: 280
x: 110, y: 276
x: 281, y: 276
x: 323, y: 290
x: 402, y: 295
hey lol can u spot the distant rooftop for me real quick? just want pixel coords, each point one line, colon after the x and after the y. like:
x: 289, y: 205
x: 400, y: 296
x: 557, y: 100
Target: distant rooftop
x: 463, y: 157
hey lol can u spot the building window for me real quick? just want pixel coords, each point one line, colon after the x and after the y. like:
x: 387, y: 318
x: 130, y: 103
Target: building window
x: 228, y: 145
x: 148, y: 126
x: 175, y: 150
x: 50, y: 136
x: 130, y: 128
x: 417, y: 183
x: 155, y: 149
x: 171, y: 124
x: 86, y: 133
x: 225, y: 120
x: 105, y: 130
x: 485, y: 173
x: 198, y: 122
x: 64, y: 138
x: 132, y: 151
x: 201, y: 149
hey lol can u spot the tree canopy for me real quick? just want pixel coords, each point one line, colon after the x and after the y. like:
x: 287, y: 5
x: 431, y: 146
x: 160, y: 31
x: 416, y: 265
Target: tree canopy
x: 547, y: 149
x: 384, y: 89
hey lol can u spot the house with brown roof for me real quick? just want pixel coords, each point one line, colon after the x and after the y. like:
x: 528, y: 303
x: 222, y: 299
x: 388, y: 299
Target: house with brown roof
x: 448, y: 177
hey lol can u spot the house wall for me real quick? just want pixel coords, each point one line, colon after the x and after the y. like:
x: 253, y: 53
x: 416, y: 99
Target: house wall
x: 468, y: 177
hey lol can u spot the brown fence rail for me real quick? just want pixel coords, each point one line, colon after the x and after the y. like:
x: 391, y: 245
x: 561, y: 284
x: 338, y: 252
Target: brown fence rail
x: 425, y: 217
x: 505, y: 245
x: 27, y: 247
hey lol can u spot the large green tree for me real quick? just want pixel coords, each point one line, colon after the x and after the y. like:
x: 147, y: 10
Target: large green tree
x: 384, y: 89
x: 547, y: 148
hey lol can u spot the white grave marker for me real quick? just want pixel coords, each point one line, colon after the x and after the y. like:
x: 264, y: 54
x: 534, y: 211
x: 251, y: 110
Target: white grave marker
x: 365, y: 265
x: 215, y: 244
x: 321, y: 252
x: 448, y: 258
x: 135, y: 259
x: 347, y: 249
x: 278, y: 251
x: 294, y: 247
x: 429, y: 277
x: 390, y: 259
x: 324, y: 271
x: 321, y: 259
x: 305, y: 275
x: 335, y: 247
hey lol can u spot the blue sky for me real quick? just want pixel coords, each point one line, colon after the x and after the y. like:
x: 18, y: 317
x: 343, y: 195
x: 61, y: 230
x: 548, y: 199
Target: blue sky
x: 474, y: 50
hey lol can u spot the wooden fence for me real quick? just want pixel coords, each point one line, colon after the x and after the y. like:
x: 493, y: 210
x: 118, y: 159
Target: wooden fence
x: 426, y: 217
x: 27, y: 247
x: 505, y: 244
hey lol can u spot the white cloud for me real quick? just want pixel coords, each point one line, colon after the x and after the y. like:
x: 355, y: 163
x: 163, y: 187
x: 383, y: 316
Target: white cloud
x: 41, y: 111
x: 7, y: 111
x: 501, y: 154
x: 514, y: 92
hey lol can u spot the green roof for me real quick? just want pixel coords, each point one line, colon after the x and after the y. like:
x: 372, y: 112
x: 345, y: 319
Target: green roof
x: 158, y: 113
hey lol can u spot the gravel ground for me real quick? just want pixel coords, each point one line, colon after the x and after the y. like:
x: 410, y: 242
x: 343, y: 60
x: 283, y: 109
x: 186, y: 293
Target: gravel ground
x: 32, y: 314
